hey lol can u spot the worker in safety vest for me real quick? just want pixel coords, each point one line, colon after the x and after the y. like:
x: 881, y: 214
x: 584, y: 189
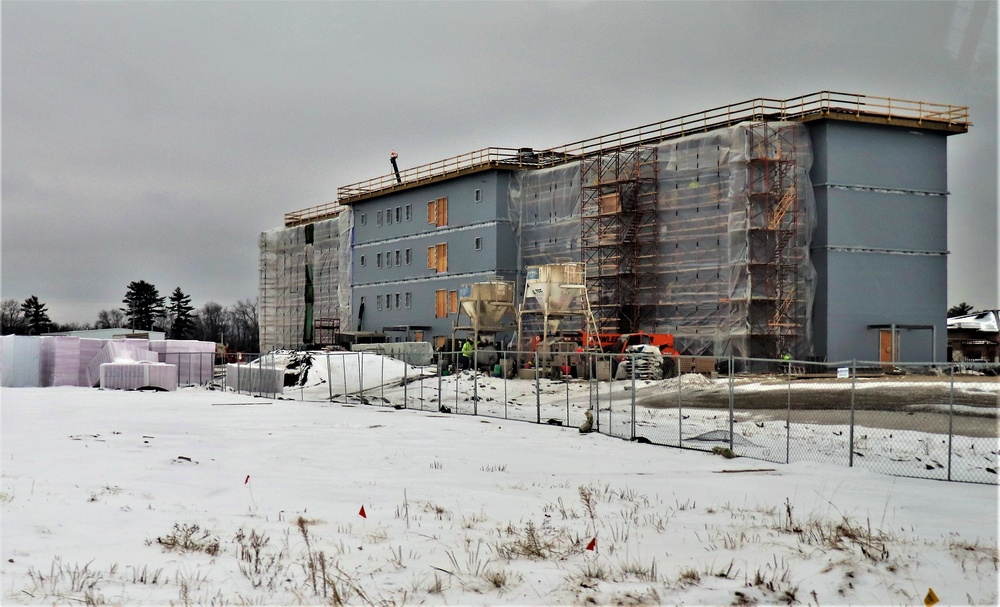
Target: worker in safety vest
x: 467, y: 354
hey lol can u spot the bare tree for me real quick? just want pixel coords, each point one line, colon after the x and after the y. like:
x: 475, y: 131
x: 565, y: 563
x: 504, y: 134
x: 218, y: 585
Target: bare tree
x: 212, y: 323
x: 12, y: 318
x: 244, y: 327
x: 110, y: 319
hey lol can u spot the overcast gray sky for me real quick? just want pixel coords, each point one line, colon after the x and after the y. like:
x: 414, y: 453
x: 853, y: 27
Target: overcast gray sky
x: 155, y: 141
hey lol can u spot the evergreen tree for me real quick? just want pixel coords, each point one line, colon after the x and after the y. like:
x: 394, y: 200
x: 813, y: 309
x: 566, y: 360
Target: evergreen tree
x: 959, y: 310
x: 143, y: 305
x: 36, y: 315
x: 180, y: 313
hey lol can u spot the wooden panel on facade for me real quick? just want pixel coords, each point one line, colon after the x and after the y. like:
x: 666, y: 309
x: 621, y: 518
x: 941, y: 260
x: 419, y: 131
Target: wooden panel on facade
x: 442, y: 257
x: 440, y: 303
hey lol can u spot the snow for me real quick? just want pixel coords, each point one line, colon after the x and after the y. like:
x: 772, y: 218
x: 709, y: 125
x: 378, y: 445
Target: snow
x: 99, y: 487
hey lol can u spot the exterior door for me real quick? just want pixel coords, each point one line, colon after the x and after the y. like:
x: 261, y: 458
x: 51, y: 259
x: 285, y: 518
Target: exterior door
x: 888, y: 346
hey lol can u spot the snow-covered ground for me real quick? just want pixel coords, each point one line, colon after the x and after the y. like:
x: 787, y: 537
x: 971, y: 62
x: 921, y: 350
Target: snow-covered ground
x: 908, y: 442
x: 208, y: 497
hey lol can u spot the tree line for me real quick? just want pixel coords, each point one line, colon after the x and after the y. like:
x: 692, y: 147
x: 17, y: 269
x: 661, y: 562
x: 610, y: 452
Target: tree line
x: 146, y: 310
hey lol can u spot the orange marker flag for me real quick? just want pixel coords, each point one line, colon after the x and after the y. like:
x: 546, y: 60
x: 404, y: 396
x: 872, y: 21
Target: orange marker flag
x: 362, y: 513
x: 592, y: 545
x: 931, y: 598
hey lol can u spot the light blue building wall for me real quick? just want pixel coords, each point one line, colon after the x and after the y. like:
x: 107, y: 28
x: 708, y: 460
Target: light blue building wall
x: 880, y: 243
x: 392, y: 271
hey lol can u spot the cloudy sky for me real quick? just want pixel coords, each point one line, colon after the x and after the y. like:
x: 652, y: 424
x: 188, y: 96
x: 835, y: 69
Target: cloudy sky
x: 155, y: 141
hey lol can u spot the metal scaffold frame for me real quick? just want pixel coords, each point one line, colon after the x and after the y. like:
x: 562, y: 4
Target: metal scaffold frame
x: 777, y: 305
x: 618, y: 237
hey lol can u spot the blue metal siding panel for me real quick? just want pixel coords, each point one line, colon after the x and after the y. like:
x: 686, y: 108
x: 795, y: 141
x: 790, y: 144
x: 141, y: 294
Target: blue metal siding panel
x: 869, y: 219
x: 857, y: 289
x: 882, y: 157
x: 467, y: 220
x: 880, y: 289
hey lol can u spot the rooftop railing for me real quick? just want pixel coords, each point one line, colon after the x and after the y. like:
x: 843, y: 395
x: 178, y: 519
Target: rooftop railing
x: 813, y: 105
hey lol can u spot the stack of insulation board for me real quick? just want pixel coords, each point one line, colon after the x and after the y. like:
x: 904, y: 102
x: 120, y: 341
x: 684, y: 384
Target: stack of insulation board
x: 129, y: 351
x: 137, y: 374
x: 21, y: 361
x: 254, y: 377
x: 195, y: 360
x: 65, y: 360
x: 64, y: 354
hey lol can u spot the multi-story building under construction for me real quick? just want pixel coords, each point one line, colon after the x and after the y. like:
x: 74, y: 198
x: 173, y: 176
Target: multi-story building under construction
x: 812, y: 227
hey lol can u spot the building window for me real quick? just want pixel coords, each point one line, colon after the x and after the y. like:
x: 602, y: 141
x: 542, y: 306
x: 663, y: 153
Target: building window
x: 409, y: 257
x: 364, y: 219
x: 398, y: 209
x: 397, y: 257
x: 453, y: 302
x: 388, y: 301
x: 388, y: 259
x: 479, y: 195
x: 479, y: 244
x: 378, y: 302
x: 407, y: 300
x: 362, y: 260
x: 431, y: 212
x: 378, y: 218
x: 378, y: 260
x: 397, y: 300
x: 431, y: 257
x: 388, y: 216
x: 409, y: 213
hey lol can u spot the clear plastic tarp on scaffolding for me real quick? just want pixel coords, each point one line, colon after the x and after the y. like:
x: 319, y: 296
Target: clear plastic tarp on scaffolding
x: 304, y: 277
x: 727, y: 277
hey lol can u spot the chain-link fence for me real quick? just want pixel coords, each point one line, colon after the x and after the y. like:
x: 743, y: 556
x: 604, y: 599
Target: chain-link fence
x: 933, y: 420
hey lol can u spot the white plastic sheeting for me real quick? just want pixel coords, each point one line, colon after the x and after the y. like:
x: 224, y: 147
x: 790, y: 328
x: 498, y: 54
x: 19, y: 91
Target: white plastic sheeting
x: 21, y: 356
x: 195, y: 360
x: 702, y: 265
x: 135, y: 375
x: 713, y: 288
x: 118, y: 352
x: 292, y: 269
x: 251, y: 377
x: 65, y: 358
x: 32, y: 361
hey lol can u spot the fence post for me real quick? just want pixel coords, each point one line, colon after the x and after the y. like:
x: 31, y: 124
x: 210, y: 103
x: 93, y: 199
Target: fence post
x: 951, y: 416
x: 594, y: 400
x: 538, y: 397
x: 632, y: 359
x: 361, y: 375
x: 344, y: 367
x: 475, y: 381
x: 329, y: 378
x: 567, y: 400
x: 440, y: 367
x: 731, y: 404
x: 788, y: 418
x: 503, y: 373
x: 406, y: 384
x: 854, y: 381
x: 680, y: 411
x: 381, y: 380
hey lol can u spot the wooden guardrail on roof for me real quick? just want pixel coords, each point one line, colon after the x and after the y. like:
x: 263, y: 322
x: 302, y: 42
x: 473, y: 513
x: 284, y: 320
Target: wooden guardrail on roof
x: 814, y: 105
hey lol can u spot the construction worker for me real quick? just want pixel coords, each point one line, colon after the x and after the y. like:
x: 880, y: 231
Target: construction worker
x: 467, y: 354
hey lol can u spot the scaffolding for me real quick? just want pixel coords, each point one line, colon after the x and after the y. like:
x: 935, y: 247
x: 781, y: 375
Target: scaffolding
x: 777, y: 306
x: 618, y: 237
